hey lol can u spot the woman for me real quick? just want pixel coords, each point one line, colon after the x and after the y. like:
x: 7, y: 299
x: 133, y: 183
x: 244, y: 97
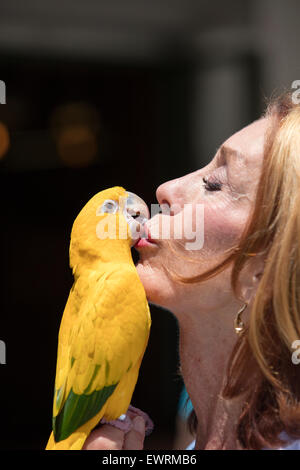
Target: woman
x: 237, y: 299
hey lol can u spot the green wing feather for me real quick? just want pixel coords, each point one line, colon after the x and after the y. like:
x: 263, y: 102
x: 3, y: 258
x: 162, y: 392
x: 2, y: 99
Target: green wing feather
x: 78, y: 409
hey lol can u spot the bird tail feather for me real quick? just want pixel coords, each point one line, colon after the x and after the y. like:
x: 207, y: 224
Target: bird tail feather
x: 74, y: 442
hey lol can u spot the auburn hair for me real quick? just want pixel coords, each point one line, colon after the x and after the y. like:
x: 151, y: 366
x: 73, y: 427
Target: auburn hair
x: 260, y: 368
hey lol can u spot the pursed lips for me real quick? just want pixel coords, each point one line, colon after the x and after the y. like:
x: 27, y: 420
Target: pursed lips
x: 145, y: 239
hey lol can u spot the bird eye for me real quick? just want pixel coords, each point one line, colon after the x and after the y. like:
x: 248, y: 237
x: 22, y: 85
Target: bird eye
x: 108, y: 207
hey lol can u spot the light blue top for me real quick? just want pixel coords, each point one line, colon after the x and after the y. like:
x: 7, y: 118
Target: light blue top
x: 291, y: 445
x: 185, y: 407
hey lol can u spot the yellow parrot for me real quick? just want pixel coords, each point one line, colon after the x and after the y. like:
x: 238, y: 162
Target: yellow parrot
x: 106, y: 323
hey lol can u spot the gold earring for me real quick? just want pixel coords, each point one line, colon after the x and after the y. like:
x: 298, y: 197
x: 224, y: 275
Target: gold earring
x: 238, y: 324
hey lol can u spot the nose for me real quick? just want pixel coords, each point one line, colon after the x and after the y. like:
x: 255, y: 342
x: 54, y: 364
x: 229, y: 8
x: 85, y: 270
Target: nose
x: 171, y: 194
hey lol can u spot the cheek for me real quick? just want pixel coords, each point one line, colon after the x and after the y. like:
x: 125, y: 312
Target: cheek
x: 221, y: 225
x: 222, y: 228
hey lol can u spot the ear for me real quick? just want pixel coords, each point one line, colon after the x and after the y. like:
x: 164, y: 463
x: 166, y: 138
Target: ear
x: 250, y: 278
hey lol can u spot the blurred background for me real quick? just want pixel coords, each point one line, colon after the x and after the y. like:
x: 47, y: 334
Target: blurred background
x: 103, y: 93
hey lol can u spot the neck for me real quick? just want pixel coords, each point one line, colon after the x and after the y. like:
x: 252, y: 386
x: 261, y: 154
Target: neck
x: 97, y: 257
x: 204, y: 351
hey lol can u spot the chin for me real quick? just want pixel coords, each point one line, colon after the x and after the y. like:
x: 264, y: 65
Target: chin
x: 157, y: 287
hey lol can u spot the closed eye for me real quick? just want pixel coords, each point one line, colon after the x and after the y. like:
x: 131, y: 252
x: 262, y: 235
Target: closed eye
x: 212, y: 185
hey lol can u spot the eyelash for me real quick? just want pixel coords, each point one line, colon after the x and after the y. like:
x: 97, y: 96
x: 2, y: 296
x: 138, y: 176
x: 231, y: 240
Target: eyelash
x: 215, y: 185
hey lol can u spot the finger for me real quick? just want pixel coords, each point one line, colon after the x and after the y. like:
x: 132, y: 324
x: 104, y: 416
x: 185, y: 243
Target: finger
x: 134, y: 439
x: 132, y: 412
x: 105, y: 437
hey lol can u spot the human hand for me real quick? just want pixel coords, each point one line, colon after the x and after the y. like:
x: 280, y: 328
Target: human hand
x: 108, y: 437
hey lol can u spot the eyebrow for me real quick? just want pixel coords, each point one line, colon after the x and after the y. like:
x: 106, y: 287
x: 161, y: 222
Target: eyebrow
x: 228, y: 153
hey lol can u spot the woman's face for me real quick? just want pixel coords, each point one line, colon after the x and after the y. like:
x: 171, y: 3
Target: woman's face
x: 214, y: 202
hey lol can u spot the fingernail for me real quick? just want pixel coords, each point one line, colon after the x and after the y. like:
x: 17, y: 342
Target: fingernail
x: 139, y: 424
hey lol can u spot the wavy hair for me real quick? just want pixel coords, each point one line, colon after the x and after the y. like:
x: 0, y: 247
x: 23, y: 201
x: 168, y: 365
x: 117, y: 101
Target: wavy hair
x: 260, y: 368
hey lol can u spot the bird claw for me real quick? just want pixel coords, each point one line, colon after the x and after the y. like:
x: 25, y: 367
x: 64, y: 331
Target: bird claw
x: 149, y: 425
x: 125, y: 421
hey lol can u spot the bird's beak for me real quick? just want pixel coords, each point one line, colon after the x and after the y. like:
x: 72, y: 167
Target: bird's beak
x: 136, y: 213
